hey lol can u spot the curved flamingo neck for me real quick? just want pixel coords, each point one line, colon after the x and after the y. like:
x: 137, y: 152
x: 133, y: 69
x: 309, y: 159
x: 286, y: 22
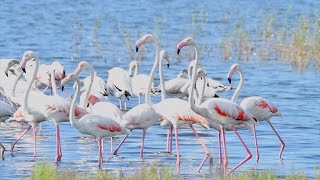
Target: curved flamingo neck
x: 26, y: 96
x: 200, y: 97
x: 53, y: 82
x: 72, y: 118
x: 13, y: 90
x: 156, y: 62
x: 162, y: 84
x: 88, y: 90
x: 134, y: 65
x: 193, y: 79
x: 239, y: 87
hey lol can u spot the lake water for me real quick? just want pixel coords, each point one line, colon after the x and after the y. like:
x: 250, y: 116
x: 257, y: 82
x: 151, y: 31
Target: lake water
x: 65, y: 31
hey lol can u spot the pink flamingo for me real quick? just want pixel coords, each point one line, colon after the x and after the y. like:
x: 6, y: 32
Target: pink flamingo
x: 95, y: 125
x: 260, y: 108
x: 57, y: 110
x: 105, y: 108
x: 222, y: 111
x: 180, y: 115
x: 143, y: 115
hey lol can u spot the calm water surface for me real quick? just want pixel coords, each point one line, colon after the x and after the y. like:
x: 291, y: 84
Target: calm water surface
x: 64, y: 31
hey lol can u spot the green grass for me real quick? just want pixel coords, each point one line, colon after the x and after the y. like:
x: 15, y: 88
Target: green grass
x: 153, y: 172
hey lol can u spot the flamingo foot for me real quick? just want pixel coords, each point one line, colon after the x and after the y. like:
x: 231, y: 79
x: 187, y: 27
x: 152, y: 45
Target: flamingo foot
x: 242, y: 162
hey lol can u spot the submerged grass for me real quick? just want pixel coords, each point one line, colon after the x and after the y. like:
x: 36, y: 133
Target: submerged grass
x: 48, y: 171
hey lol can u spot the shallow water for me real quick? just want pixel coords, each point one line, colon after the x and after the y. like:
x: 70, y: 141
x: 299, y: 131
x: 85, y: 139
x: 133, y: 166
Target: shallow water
x: 64, y: 30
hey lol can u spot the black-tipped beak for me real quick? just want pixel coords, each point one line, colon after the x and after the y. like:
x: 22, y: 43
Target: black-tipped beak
x: 24, y: 70
x: 137, y: 48
x: 6, y: 74
x: 178, y: 51
x: 215, y: 96
x: 126, y: 93
x: 64, y: 74
x: 62, y: 88
x: 229, y: 79
x: 88, y: 105
x: 168, y: 65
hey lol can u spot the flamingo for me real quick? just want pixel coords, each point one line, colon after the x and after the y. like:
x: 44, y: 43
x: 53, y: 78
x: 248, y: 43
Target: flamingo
x: 101, y: 108
x: 29, y: 110
x: 143, y: 115
x: 119, y: 84
x: 95, y: 125
x: 223, y: 111
x: 138, y: 81
x: 57, y: 110
x: 180, y: 115
x: 260, y: 108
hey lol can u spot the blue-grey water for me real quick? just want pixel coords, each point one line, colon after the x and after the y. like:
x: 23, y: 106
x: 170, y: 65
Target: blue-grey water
x: 104, y: 33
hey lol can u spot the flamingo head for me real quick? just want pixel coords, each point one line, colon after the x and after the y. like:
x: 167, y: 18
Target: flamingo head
x: 12, y: 63
x: 185, y: 42
x: 27, y: 56
x: 70, y: 77
x: 59, y: 73
x: 81, y: 66
x: 164, y: 54
x: 234, y: 68
x: 200, y: 73
x: 148, y: 38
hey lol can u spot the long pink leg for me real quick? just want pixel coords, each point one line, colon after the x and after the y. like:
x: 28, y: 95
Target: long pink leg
x: 34, y: 142
x: 204, y: 146
x: 220, y: 150
x: 282, y: 142
x: 256, y: 142
x: 142, y: 142
x: 19, y: 138
x: 168, y: 134
x: 177, y: 149
x: 245, y: 146
x: 225, y: 162
x: 100, y: 152
x: 2, y: 151
x: 58, y: 145
x: 111, y: 144
x: 170, y: 145
x: 116, y: 151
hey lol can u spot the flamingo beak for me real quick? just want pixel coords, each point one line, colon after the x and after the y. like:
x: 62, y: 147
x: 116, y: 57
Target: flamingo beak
x: 137, y: 48
x: 168, y: 65
x: 24, y: 70
x: 62, y: 87
x: 229, y: 79
x: 178, y: 51
x: 6, y: 74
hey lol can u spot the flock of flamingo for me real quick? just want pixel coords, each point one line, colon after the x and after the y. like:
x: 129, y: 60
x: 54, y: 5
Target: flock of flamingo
x: 190, y: 98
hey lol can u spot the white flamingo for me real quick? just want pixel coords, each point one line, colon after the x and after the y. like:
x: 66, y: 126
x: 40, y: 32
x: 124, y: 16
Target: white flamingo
x: 260, y: 108
x: 143, y: 115
x: 222, y: 111
x: 119, y: 84
x: 29, y: 110
x: 95, y: 125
